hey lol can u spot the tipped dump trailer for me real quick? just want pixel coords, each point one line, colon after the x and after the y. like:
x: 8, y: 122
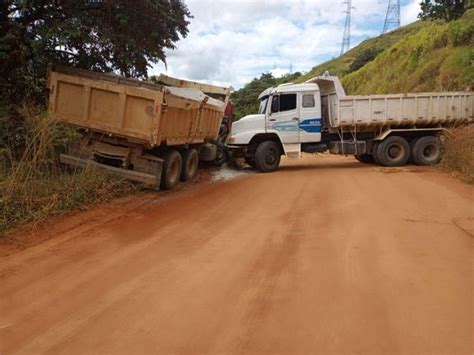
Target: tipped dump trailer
x: 155, y: 134
x: 317, y: 116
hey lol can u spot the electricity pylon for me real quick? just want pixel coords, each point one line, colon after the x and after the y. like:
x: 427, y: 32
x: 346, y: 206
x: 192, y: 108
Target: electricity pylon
x: 346, y: 39
x: 392, y: 19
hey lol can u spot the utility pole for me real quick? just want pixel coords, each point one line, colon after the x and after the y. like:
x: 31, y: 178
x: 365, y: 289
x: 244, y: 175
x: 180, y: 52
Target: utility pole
x: 346, y: 39
x: 392, y: 19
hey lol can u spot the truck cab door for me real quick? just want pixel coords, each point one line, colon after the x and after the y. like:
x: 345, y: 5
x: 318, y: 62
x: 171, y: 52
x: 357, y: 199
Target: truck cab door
x: 310, y: 117
x: 283, y: 117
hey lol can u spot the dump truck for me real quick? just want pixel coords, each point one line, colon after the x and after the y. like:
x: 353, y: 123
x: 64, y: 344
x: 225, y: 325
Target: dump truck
x: 317, y: 116
x: 152, y: 133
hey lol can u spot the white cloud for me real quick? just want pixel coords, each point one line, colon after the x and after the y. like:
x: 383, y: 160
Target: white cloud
x: 409, y: 12
x: 231, y: 42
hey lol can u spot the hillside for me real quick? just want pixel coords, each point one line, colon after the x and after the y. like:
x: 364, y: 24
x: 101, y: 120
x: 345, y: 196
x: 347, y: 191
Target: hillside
x: 423, y: 56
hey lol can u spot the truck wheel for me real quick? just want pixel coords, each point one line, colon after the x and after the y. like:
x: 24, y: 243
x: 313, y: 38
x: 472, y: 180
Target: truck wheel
x: 189, y: 169
x: 375, y: 153
x: 427, y: 151
x: 365, y: 158
x: 267, y: 157
x: 411, y: 160
x: 222, y: 155
x: 171, y: 169
x: 393, y: 151
x: 250, y: 161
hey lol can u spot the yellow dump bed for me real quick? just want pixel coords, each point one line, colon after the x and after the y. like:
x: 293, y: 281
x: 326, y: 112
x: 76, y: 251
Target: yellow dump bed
x: 137, y: 111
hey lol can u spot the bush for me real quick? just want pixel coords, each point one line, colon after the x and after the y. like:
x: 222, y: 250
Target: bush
x: 363, y: 58
x: 459, y: 153
x: 36, y: 186
x: 460, y: 33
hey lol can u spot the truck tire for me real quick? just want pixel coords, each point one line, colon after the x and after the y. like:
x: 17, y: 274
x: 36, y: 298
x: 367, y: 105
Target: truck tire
x: 222, y: 155
x: 427, y: 151
x: 171, y: 169
x: 267, y: 157
x: 375, y: 153
x: 365, y: 158
x: 189, y: 169
x: 393, y: 151
x: 411, y: 160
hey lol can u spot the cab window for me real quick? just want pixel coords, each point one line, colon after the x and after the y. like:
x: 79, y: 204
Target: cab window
x: 263, y: 105
x: 308, y: 100
x: 283, y: 102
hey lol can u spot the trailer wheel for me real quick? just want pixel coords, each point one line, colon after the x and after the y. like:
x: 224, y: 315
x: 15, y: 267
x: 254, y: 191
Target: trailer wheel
x: 427, y: 151
x: 365, y: 158
x: 189, y: 169
x: 393, y: 151
x: 267, y: 156
x: 171, y: 169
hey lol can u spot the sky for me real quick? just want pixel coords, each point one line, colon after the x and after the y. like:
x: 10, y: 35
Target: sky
x: 231, y: 42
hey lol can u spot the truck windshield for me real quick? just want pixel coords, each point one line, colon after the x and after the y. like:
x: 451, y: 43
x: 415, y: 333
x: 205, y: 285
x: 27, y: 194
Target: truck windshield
x: 263, y: 105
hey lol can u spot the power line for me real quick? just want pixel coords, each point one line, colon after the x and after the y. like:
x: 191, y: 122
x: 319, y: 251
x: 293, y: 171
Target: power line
x: 392, y: 19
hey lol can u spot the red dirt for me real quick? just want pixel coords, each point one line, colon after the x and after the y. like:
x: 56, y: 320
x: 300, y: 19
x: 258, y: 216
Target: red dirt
x: 326, y: 256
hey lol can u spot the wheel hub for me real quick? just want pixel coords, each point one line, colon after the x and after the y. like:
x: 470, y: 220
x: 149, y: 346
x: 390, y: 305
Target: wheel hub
x: 430, y: 151
x: 395, y: 151
x: 270, y: 157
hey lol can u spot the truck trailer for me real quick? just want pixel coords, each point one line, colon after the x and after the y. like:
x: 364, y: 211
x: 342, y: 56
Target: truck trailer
x: 317, y: 116
x: 152, y: 133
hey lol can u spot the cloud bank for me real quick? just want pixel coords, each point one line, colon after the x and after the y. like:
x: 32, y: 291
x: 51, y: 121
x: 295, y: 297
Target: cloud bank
x: 231, y: 42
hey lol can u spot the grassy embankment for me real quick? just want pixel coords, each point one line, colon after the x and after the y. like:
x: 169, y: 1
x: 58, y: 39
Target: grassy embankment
x: 423, y: 56
x: 35, y: 186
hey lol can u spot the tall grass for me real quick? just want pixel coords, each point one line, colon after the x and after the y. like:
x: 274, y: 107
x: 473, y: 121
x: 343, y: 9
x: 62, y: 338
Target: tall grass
x: 36, y: 186
x: 459, y: 153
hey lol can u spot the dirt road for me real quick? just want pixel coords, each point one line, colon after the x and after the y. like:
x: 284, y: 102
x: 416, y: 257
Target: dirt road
x: 326, y: 256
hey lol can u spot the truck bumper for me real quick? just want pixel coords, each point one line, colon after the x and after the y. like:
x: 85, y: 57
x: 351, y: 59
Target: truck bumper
x: 236, y: 151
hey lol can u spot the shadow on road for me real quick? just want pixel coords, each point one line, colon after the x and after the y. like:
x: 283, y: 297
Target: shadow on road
x: 326, y: 166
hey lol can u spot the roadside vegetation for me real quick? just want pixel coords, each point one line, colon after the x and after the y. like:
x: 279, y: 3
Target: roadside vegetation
x: 459, y: 153
x: 35, y: 186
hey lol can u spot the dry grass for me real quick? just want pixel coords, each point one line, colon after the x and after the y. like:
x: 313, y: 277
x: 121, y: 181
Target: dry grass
x: 459, y: 153
x: 36, y: 186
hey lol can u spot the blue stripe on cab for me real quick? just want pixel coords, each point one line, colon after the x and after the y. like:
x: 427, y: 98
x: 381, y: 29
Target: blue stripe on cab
x: 312, y: 125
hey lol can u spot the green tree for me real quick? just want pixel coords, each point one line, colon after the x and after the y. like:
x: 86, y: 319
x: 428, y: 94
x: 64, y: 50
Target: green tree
x: 121, y: 35
x: 246, y: 99
x: 125, y: 36
x: 447, y: 10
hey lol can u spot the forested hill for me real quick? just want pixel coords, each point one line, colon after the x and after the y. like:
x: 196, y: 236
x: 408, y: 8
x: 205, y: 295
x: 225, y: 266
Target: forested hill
x: 245, y: 99
x: 423, y: 56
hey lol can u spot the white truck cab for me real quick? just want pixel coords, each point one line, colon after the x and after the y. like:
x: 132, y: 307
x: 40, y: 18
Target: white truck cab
x: 290, y: 112
x: 317, y: 115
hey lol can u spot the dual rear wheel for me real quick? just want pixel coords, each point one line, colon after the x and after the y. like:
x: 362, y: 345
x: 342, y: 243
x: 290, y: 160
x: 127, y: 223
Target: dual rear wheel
x: 178, y: 166
x: 396, y: 151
